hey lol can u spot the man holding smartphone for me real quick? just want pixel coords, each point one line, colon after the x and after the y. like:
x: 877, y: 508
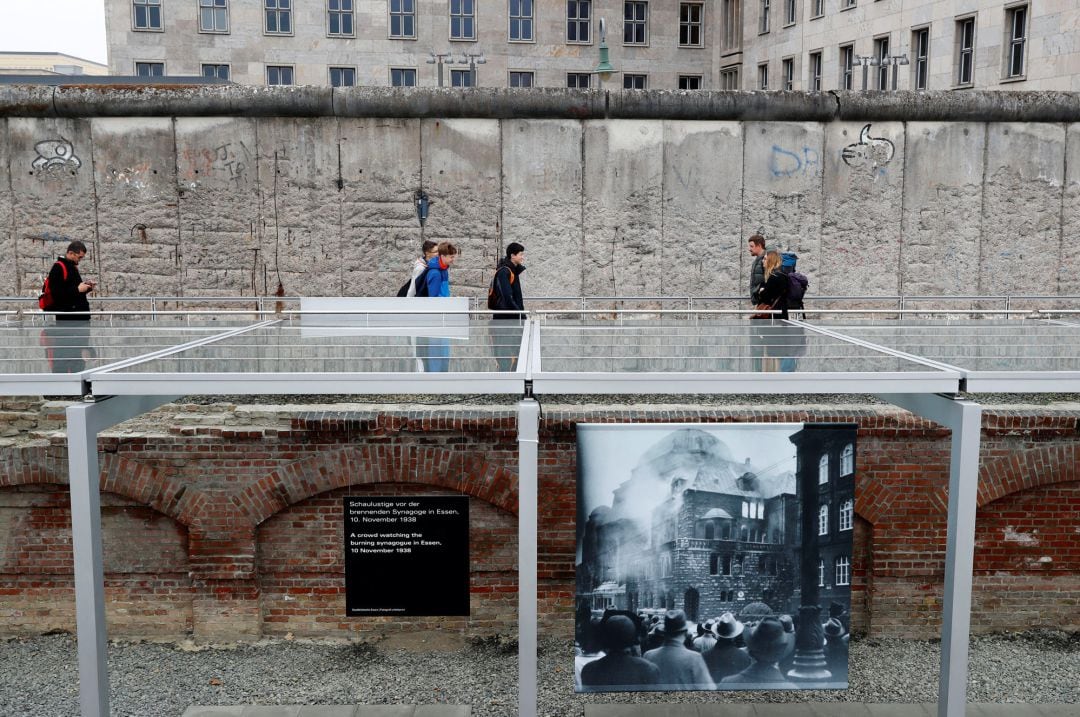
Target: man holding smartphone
x: 67, y: 286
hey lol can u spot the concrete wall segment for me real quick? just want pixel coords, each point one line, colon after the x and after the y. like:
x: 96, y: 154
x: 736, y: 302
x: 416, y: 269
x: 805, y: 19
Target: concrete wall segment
x: 1069, y: 266
x: 9, y: 281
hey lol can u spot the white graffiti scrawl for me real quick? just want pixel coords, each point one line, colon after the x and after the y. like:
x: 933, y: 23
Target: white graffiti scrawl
x: 55, y: 154
x: 868, y: 151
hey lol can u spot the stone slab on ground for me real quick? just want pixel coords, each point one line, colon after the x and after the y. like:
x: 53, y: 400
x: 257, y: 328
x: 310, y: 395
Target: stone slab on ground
x: 825, y: 709
x: 329, y: 711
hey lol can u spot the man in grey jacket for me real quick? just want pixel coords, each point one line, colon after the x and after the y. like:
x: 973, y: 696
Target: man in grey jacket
x: 756, y: 244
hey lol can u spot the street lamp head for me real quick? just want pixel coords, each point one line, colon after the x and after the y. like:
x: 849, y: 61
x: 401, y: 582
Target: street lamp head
x: 481, y: 60
x: 604, y: 68
x: 431, y: 60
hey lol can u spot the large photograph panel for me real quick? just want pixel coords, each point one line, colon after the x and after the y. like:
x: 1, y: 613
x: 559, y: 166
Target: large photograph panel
x: 713, y: 556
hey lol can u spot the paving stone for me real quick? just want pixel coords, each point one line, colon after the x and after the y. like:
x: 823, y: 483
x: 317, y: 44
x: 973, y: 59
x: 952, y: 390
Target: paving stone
x: 838, y: 709
x: 1055, y: 711
x: 653, y: 710
x: 783, y: 710
x: 921, y: 710
x: 271, y: 711
x: 386, y: 711
x: 443, y: 711
x: 328, y: 711
x: 223, y: 711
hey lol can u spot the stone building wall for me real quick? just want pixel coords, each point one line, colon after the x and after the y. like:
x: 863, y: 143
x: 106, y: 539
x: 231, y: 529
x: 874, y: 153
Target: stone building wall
x: 226, y: 523
x: 240, y: 191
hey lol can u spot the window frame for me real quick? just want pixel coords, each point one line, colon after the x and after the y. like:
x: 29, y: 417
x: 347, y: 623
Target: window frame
x: 466, y: 72
x: 1010, y: 42
x: 159, y: 4
x: 415, y: 76
x: 690, y: 25
x: 846, y: 516
x: 226, y: 65
x: 690, y: 80
x: 791, y: 13
x: 818, y: 7
x: 644, y: 24
x: 821, y: 573
x: 842, y: 573
x: 961, y: 52
x: 730, y: 26
x: 918, y: 60
x: 330, y: 74
x: 881, y: 52
x: 578, y: 22
x: 531, y: 17
x: 763, y: 76
x: 290, y: 68
x: 823, y: 519
x: 847, y: 460
x: 510, y: 77
x: 150, y: 64
x: 277, y: 10
x: 390, y: 14
x: 847, y: 66
x: 199, y: 9
x: 578, y: 76
x: 764, y: 16
x: 352, y: 18
x: 815, y: 64
x: 450, y: 21
x: 636, y: 75
x: 787, y: 73
x: 823, y: 469
x: 847, y: 4
x: 726, y: 73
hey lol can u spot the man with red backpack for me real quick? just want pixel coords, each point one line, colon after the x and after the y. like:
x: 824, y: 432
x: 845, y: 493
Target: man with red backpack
x: 65, y: 291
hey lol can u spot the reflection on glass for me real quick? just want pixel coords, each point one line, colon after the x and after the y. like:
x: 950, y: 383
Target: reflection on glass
x: 506, y: 342
x: 67, y: 348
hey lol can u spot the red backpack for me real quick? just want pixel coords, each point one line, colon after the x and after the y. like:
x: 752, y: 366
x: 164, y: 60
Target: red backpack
x: 45, y: 300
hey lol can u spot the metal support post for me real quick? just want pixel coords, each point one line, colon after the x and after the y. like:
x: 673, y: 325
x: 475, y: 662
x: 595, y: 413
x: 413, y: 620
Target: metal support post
x: 84, y: 422
x: 528, y: 455
x: 964, y: 419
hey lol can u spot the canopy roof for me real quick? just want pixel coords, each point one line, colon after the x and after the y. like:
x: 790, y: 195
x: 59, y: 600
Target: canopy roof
x: 669, y: 353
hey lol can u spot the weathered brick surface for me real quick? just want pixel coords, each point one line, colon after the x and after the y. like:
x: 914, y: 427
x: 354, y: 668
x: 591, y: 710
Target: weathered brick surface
x: 234, y: 531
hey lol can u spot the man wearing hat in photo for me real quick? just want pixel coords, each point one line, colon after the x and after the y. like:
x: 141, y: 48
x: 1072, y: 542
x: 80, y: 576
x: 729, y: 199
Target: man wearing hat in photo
x: 705, y: 638
x: 680, y: 668
x: 836, y: 647
x: 767, y: 644
x: 618, y: 670
x: 726, y: 658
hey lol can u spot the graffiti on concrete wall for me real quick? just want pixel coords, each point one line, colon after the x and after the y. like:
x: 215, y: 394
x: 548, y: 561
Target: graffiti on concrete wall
x: 230, y: 159
x: 789, y: 163
x: 868, y: 151
x: 55, y: 154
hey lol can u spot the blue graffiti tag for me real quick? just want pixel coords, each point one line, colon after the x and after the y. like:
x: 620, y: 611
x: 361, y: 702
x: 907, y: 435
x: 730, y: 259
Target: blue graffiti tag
x: 786, y: 163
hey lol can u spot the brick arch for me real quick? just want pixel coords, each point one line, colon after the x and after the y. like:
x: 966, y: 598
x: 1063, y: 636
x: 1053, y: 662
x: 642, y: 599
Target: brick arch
x: 32, y: 466
x: 873, y: 499
x: 466, y: 473
x: 1029, y: 468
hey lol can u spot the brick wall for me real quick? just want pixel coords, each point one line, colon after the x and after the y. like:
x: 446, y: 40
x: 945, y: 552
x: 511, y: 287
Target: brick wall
x: 235, y: 532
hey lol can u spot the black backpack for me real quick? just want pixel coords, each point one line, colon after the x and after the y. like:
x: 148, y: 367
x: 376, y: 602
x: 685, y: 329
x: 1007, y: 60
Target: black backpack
x: 797, y: 285
x: 421, y: 285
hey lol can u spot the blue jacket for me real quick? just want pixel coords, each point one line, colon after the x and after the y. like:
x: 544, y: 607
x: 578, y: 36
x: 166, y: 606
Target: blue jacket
x: 438, y: 279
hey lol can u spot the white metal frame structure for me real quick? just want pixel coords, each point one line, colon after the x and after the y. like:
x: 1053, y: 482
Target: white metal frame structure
x: 554, y: 355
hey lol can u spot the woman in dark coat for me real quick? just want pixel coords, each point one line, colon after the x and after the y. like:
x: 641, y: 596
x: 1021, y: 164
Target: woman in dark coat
x: 774, y: 291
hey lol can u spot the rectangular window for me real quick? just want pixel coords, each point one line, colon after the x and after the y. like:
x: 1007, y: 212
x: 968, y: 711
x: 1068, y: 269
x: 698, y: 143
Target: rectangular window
x: 402, y: 19
x: 146, y: 15
x: 845, y: 4
x: 217, y: 72
x: 763, y: 76
x: 847, y: 514
x: 278, y: 17
x: 279, y: 75
x: 731, y: 32
x: 843, y: 570
x: 689, y: 82
x: 814, y: 84
x: 579, y: 80
x: 578, y: 20
x: 342, y: 76
x: 920, y: 68
x: 214, y: 16
x: 965, y: 51
x: 402, y: 77
x: 149, y: 69
x: 729, y: 78
x: 521, y: 79
x: 462, y: 20
x: 821, y: 573
x: 521, y: 20
x: 635, y: 23
x: 339, y: 18
x: 790, y: 15
x: 1016, y: 27
x: 823, y: 520
x: 847, y: 61
x: 787, y: 69
x: 634, y: 82
x: 461, y: 78
x: 817, y: 9
x: 690, y: 24
x: 881, y: 52
x: 763, y: 19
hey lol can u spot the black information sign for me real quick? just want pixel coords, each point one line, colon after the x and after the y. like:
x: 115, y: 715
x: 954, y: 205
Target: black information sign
x: 407, y: 556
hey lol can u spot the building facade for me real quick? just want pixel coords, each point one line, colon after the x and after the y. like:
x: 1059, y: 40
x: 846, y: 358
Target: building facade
x: 693, y: 44
x: 946, y: 44
x: 48, y: 63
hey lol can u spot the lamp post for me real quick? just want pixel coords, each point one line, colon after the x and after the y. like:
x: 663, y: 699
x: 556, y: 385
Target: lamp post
x: 439, y: 58
x: 604, y: 69
x: 896, y: 60
x: 866, y: 61
x: 472, y: 59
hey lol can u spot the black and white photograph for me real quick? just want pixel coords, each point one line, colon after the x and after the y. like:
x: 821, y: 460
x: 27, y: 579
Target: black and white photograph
x: 714, y: 556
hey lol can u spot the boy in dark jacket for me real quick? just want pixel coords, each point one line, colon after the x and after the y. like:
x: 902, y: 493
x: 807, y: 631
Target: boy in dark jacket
x: 69, y: 293
x: 506, y: 338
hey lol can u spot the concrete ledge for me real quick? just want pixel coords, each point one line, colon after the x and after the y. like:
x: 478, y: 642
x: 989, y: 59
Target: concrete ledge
x: 330, y: 711
x: 540, y: 103
x: 822, y: 709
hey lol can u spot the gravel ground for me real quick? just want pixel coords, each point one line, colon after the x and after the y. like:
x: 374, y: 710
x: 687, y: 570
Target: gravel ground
x: 38, y: 676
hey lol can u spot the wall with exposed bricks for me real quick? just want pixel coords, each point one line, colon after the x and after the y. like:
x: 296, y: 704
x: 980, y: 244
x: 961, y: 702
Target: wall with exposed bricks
x: 233, y: 531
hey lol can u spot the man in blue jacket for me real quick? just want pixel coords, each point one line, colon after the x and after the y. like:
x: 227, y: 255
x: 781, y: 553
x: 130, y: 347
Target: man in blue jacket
x: 435, y: 352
